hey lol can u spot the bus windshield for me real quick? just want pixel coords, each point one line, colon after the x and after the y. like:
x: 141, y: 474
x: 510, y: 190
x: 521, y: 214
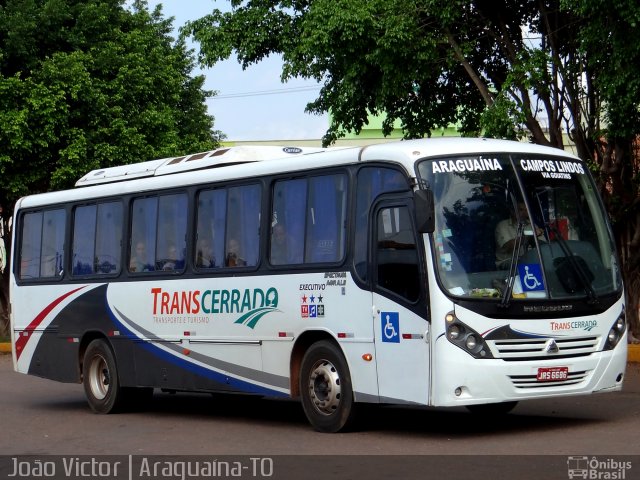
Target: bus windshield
x: 513, y: 226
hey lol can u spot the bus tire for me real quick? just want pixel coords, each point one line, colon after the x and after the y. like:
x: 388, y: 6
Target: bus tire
x: 325, y: 388
x: 492, y: 409
x: 100, y: 378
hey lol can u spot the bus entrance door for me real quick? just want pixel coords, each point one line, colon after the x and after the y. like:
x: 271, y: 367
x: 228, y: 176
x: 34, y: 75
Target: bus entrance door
x: 400, y: 331
x: 402, y: 353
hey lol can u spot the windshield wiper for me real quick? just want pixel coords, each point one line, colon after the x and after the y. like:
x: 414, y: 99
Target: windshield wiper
x: 574, y: 264
x: 570, y: 258
x: 511, y: 278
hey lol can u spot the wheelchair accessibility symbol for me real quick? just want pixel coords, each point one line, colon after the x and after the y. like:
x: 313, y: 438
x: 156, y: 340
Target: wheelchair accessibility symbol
x: 531, y: 277
x: 390, y: 326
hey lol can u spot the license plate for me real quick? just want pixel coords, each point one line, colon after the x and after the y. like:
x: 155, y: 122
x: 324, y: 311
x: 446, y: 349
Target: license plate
x: 553, y: 374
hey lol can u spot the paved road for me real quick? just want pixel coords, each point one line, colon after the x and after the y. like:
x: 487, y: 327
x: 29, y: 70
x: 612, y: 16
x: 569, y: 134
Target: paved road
x: 42, y: 417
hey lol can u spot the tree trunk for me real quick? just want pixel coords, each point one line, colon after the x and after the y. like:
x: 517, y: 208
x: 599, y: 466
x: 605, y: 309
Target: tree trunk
x: 631, y: 273
x: 619, y: 162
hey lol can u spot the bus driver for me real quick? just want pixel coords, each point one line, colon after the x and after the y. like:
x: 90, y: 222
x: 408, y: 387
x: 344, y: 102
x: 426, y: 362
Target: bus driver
x: 506, y: 232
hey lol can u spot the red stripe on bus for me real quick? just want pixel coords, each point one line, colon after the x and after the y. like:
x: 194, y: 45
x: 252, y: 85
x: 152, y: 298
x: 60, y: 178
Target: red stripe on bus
x: 23, y: 339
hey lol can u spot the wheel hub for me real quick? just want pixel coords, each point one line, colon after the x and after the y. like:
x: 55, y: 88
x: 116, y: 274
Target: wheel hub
x: 99, y: 377
x: 324, y: 387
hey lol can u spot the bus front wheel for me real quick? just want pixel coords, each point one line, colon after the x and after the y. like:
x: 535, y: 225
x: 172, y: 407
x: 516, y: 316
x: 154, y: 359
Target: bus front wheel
x: 100, y: 378
x: 325, y: 388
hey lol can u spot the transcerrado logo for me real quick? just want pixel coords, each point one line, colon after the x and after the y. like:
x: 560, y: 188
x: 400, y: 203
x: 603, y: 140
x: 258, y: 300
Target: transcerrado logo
x: 587, y: 325
x: 252, y: 304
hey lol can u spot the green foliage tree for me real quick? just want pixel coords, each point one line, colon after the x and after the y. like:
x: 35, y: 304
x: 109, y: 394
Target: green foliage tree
x: 88, y: 84
x: 546, y: 70
x: 609, y: 37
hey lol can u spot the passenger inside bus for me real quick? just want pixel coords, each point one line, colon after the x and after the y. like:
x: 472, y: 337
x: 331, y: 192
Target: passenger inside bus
x: 204, y: 254
x: 279, y: 245
x: 170, y: 262
x: 138, y: 259
x: 233, y: 254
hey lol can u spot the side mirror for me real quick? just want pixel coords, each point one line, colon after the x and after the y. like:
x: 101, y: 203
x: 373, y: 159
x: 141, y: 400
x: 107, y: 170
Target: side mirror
x: 425, y: 211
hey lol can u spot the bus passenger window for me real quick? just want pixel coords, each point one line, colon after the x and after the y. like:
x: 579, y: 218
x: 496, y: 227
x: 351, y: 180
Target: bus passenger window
x: 53, y: 232
x: 326, y: 219
x: 42, y: 245
x: 210, y: 230
x: 288, y: 221
x: 143, y: 233
x: 84, y: 230
x: 171, y: 234
x: 30, y: 247
x: 243, y: 226
x: 97, y: 239
x: 108, y: 238
x: 308, y: 220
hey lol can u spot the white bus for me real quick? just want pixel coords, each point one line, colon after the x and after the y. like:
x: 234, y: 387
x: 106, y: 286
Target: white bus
x: 344, y: 276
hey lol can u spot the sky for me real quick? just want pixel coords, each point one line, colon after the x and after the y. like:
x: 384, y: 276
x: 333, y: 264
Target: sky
x: 241, y: 110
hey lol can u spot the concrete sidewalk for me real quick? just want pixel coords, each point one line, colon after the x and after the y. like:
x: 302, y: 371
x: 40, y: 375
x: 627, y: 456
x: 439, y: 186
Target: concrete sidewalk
x: 633, y: 354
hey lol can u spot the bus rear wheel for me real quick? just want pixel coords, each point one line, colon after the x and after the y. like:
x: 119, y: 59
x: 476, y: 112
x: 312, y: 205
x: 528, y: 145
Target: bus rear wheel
x: 325, y: 388
x: 100, y: 378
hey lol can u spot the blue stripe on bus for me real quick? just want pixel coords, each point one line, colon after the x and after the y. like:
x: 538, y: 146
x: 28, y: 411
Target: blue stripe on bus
x: 240, y: 385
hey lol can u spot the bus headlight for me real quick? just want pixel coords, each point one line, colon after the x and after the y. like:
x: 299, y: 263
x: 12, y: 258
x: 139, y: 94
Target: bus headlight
x: 466, y: 338
x: 617, y: 331
x: 471, y: 342
x: 454, y: 332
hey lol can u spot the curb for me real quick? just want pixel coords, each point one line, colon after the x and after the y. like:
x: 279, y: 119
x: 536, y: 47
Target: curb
x: 633, y: 351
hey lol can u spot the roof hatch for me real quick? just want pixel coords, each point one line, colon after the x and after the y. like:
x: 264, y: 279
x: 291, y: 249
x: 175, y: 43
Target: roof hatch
x: 213, y: 159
